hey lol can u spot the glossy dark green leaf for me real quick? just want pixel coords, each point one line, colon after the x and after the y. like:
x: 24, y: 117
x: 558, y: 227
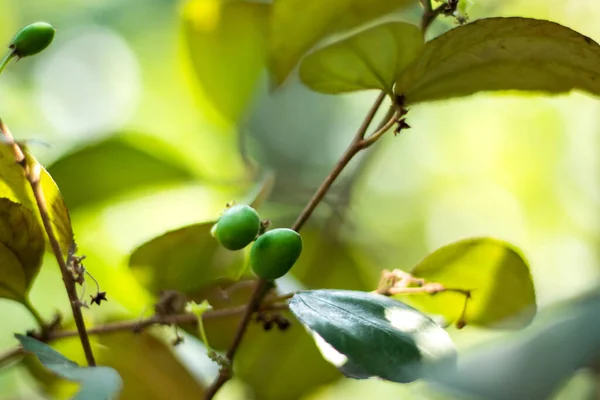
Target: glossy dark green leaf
x: 502, y: 291
x: 21, y: 250
x: 226, y: 43
x: 15, y: 187
x: 502, y: 54
x: 298, y: 25
x: 115, y: 166
x: 371, y: 59
x: 376, y: 336
x: 97, y: 383
x: 534, y: 363
x: 185, y: 260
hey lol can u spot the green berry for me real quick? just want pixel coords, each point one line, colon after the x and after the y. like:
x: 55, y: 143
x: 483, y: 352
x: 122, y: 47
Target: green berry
x: 275, y: 253
x: 237, y: 227
x: 32, y: 39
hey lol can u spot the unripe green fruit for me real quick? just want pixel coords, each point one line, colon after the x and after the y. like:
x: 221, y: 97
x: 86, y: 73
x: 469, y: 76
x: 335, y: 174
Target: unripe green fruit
x: 32, y: 39
x: 237, y: 227
x: 275, y: 253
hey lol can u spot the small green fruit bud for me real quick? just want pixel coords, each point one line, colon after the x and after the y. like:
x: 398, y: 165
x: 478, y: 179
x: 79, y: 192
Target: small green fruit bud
x: 237, y: 227
x: 32, y: 39
x: 275, y: 253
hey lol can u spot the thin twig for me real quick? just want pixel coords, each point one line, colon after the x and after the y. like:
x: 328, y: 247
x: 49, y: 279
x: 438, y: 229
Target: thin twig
x: 375, y: 136
x: 7, y: 357
x: 429, y: 14
x: 357, y: 144
x: 350, y: 152
x: 137, y: 325
x: 32, y: 173
x: 226, y: 373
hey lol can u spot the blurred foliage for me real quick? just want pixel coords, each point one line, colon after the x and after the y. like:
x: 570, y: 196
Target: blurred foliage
x: 158, y: 113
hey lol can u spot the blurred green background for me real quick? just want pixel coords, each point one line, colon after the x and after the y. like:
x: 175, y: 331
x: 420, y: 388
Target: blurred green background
x: 140, y: 146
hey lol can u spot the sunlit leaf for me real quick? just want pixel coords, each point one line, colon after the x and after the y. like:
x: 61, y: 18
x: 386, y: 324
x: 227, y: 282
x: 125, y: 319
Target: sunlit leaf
x: 502, y: 54
x: 101, y: 171
x: 97, y: 383
x: 147, y: 365
x: 185, y: 260
x: 14, y: 186
x: 532, y: 364
x: 370, y: 335
x: 371, y: 59
x: 21, y: 249
x: 226, y: 42
x: 298, y: 25
x: 502, y: 291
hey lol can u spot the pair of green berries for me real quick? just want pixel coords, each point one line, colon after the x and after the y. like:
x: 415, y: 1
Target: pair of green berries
x: 274, y: 252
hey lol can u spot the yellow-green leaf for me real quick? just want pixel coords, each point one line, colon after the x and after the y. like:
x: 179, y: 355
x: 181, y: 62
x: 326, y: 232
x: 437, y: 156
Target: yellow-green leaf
x: 21, y: 249
x: 371, y: 59
x: 502, y: 54
x: 15, y: 187
x: 226, y: 42
x: 298, y: 25
x: 502, y: 291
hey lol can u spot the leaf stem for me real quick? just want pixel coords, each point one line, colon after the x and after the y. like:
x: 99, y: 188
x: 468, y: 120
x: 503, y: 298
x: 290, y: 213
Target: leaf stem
x: 33, y: 173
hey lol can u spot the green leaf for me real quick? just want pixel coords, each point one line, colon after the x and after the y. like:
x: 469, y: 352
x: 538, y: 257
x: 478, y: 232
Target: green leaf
x: 371, y: 59
x: 112, y: 167
x: 189, y: 259
x: 502, y: 291
x: 502, y: 54
x: 376, y: 335
x: 226, y: 42
x: 298, y: 25
x: 147, y: 365
x: 185, y: 260
x: 97, y: 383
x: 21, y: 250
x: 15, y: 187
x: 531, y: 364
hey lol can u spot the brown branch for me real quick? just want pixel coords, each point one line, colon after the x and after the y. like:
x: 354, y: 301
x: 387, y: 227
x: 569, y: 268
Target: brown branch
x: 354, y: 147
x: 7, y: 357
x: 358, y: 143
x: 138, y: 325
x: 32, y: 173
x: 226, y: 373
x: 430, y: 14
